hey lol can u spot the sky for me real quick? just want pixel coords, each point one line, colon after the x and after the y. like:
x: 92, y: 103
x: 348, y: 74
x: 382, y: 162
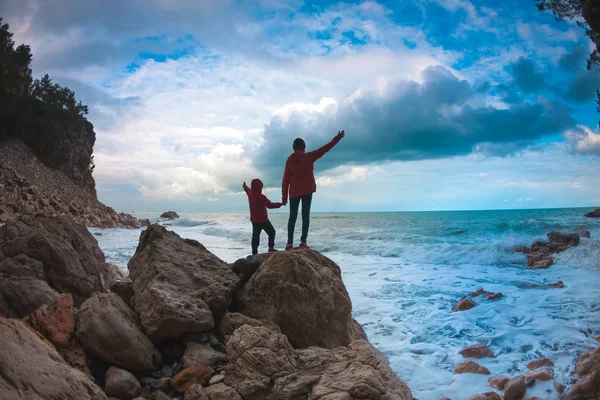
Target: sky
x: 446, y: 104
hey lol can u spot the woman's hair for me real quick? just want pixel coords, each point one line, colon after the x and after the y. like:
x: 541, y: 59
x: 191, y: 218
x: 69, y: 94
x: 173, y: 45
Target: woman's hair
x: 299, y: 144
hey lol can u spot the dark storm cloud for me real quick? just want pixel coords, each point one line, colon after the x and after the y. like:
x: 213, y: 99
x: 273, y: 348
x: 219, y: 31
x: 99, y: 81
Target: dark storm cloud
x: 527, y: 77
x: 575, y: 60
x: 582, y: 88
x: 80, y: 33
x: 413, y: 121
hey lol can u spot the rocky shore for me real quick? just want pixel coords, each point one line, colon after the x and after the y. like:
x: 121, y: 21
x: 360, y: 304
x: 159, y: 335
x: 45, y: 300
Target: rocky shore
x: 183, y: 325
x: 30, y: 187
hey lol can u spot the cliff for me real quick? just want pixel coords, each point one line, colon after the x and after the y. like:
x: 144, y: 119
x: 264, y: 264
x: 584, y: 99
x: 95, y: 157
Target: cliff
x: 30, y: 187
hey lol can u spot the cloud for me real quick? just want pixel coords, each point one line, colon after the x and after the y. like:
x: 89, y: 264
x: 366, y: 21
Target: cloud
x: 527, y: 78
x: 404, y: 120
x: 583, y: 141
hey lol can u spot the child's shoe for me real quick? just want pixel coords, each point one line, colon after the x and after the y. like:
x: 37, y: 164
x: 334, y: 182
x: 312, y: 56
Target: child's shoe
x: 289, y: 246
x: 272, y: 249
x: 304, y: 245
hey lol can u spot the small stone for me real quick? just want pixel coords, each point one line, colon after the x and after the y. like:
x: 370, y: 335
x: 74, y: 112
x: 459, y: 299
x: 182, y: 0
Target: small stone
x: 542, y: 362
x: 486, y: 396
x: 216, y: 379
x: 464, y: 304
x: 515, y: 389
x: 146, y: 391
x: 160, y: 395
x: 471, y: 367
x: 560, y: 388
x: 121, y: 384
x: 161, y: 383
x: 199, y: 374
x: 146, y: 380
x: 202, y: 354
x: 166, y: 370
x: 476, y: 351
x: 498, y: 382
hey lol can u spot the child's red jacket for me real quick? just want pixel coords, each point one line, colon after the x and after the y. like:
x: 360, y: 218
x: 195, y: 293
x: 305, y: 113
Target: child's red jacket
x: 258, y: 202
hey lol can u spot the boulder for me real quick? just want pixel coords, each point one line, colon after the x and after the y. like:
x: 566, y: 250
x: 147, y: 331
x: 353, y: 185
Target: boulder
x: 31, y: 369
x: 70, y: 258
x: 470, y: 367
x: 199, y: 374
x: 202, y: 354
x: 542, y: 362
x: 588, y: 369
x: 123, y: 288
x: 302, y: 292
x: 494, y: 296
x: 464, y: 304
x: 560, y: 241
x: 23, y: 286
x: 107, y: 327
x: 593, y: 214
x: 515, y: 388
x: 243, y: 268
x: 477, y: 351
x: 121, y: 384
x: 264, y: 365
x: 56, y: 321
x: 498, y: 382
x: 232, y: 321
x: 179, y: 285
x: 169, y: 215
x: 541, y: 375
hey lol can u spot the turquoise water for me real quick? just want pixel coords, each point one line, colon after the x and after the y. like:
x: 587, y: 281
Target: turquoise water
x: 405, y: 271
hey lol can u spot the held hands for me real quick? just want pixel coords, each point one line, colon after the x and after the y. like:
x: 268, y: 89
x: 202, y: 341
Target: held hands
x: 284, y: 203
x: 340, y: 135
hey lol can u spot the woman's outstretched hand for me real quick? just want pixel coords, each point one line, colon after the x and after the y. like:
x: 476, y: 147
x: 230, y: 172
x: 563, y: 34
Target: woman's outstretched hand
x: 340, y: 135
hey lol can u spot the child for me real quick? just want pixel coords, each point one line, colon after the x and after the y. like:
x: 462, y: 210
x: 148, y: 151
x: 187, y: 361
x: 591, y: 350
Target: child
x: 258, y: 214
x: 299, y: 181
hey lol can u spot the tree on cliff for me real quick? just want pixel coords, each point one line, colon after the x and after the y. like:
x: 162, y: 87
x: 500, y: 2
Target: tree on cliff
x: 586, y: 13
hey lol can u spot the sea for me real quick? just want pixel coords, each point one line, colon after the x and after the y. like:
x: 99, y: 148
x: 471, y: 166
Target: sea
x: 405, y: 271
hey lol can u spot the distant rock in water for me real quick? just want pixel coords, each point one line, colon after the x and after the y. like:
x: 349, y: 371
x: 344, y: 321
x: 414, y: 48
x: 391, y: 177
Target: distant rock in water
x: 30, y: 187
x: 169, y: 215
x: 539, y: 255
x: 593, y: 214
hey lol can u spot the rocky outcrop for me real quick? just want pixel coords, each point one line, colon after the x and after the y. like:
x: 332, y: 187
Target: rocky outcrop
x: 588, y: 369
x: 539, y: 255
x: 232, y: 321
x: 593, y: 214
x: 169, y: 215
x: 264, y: 365
x: 179, y: 286
x: 29, y: 187
x: 53, y: 254
x: 31, y: 369
x: 107, y: 328
x: 302, y: 292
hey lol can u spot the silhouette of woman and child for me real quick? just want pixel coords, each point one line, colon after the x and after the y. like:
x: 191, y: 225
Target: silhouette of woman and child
x: 299, y: 182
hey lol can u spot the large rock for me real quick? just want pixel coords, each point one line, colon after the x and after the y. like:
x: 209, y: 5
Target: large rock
x: 515, y: 388
x: 32, y: 370
x: 169, y: 215
x: 121, y: 384
x: 107, y: 327
x: 471, y: 367
x: 23, y: 286
x: 56, y: 321
x: 588, y: 369
x: 302, y: 292
x: 594, y: 214
x: 179, y: 285
x: 264, y: 365
x: 560, y: 241
x: 70, y: 258
x: 232, y: 321
x: 476, y: 351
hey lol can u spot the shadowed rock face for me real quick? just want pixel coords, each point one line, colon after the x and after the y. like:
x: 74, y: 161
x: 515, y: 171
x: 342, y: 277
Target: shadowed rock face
x: 179, y: 286
x: 31, y: 369
x: 302, y: 292
x: 107, y: 327
x: 53, y: 255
